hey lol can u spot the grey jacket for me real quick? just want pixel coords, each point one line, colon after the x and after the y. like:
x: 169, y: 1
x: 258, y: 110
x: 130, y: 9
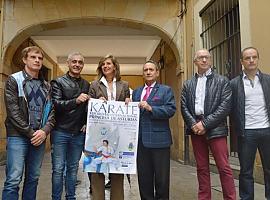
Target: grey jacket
x: 238, y: 100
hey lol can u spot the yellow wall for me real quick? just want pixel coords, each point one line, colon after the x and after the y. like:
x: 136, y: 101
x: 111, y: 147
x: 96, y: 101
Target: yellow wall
x: 255, y: 28
x: 134, y: 81
x: 168, y: 76
x: 260, y: 30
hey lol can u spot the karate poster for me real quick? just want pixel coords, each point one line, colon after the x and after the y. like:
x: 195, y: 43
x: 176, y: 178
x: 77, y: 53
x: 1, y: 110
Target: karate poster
x: 111, y: 137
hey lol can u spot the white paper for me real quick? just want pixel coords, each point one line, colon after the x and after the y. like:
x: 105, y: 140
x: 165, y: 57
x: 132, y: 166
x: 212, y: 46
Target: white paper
x: 111, y: 137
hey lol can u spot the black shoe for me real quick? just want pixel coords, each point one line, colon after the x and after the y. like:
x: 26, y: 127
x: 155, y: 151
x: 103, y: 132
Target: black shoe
x: 108, y: 185
x: 78, y: 182
x: 90, y: 190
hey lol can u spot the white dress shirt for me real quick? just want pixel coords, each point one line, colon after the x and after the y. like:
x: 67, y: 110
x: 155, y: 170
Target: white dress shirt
x: 200, y: 92
x: 111, y: 94
x: 255, y: 109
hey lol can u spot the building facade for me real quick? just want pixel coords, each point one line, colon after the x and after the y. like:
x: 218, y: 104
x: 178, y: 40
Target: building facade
x: 184, y: 26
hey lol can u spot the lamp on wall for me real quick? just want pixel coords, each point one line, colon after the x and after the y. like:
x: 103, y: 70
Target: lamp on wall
x: 161, y: 62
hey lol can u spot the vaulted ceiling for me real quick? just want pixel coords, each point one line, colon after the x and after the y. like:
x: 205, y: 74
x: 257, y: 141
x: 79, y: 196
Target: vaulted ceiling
x: 131, y: 47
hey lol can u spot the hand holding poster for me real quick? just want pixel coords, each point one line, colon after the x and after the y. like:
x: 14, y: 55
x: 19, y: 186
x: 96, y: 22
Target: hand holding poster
x: 111, y: 137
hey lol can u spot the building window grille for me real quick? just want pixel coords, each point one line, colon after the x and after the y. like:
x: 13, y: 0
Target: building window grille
x: 221, y: 36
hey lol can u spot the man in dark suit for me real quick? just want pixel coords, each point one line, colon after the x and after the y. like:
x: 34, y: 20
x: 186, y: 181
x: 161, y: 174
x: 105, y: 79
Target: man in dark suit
x: 157, y: 106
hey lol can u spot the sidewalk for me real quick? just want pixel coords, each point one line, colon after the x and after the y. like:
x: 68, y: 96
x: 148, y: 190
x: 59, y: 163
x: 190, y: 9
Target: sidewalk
x: 183, y: 184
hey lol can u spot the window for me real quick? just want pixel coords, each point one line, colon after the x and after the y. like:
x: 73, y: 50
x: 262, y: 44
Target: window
x: 221, y: 36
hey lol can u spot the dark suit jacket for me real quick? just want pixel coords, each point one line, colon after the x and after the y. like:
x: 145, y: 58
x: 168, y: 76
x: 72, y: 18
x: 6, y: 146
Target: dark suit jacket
x: 238, y: 100
x: 98, y: 89
x: 154, y: 129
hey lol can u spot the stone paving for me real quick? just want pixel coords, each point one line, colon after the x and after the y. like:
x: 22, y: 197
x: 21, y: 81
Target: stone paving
x: 183, y: 184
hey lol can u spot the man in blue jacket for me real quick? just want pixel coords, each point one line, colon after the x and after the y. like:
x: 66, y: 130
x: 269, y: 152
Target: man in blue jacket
x: 30, y: 118
x: 157, y: 106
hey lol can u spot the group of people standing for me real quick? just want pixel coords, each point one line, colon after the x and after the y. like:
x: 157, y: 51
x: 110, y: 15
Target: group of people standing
x: 36, y: 108
x: 206, y: 101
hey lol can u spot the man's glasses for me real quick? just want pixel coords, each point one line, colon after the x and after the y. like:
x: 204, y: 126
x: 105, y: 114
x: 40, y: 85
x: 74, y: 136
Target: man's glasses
x: 200, y: 58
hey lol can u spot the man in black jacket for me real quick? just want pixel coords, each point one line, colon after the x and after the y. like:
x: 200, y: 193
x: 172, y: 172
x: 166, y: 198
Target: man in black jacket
x: 251, y: 120
x: 70, y: 96
x: 30, y: 118
x: 205, y: 104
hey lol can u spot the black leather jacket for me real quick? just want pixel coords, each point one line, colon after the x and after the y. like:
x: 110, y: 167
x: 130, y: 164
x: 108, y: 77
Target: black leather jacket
x: 70, y: 116
x: 238, y: 100
x: 17, y: 121
x: 217, y: 105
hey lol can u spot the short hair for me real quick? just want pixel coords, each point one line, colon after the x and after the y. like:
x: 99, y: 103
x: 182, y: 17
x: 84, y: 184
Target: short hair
x: 106, y: 141
x: 72, y: 54
x: 35, y: 49
x: 154, y: 63
x: 203, y: 49
x: 247, y: 48
x: 115, y: 63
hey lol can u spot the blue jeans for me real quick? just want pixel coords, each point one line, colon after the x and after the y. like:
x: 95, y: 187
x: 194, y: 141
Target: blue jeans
x: 247, y: 146
x: 21, y: 154
x: 66, y: 151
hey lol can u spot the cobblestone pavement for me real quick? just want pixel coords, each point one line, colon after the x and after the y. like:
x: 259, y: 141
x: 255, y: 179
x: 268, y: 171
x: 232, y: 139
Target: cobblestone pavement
x: 183, y: 184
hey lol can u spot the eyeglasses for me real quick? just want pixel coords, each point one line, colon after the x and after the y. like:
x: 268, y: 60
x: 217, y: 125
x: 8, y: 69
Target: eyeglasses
x: 200, y: 58
x: 249, y: 58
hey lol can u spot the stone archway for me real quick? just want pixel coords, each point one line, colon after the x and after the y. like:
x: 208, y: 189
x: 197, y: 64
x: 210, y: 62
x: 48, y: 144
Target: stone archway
x: 174, y: 55
x: 22, y: 35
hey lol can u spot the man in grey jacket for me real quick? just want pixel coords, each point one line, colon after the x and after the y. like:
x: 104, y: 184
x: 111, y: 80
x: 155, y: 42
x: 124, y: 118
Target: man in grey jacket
x: 205, y: 104
x: 251, y: 120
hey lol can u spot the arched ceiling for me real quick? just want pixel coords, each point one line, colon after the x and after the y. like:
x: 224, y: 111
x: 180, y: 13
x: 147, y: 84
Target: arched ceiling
x: 132, y: 47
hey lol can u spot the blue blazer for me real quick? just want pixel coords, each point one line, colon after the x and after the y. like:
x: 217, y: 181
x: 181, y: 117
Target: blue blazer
x: 154, y: 129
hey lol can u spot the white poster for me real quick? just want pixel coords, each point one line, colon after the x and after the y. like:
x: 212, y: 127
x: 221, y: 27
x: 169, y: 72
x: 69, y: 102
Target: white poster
x: 111, y: 137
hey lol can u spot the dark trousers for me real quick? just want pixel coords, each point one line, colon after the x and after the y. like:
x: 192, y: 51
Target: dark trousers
x: 90, y: 178
x: 66, y: 151
x: 247, y: 147
x: 153, y: 166
x: 218, y: 147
